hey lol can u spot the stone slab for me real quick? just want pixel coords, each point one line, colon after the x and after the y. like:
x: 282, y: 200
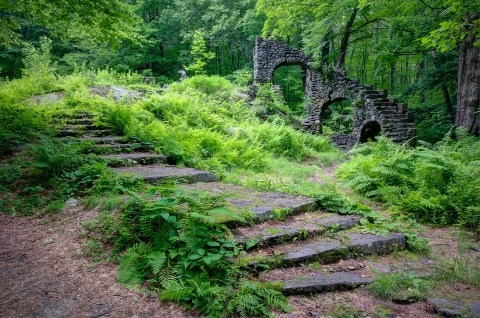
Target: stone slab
x: 326, y: 250
x: 104, y: 140
x: 367, y: 244
x: 123, y: 159
x: 261, y: 205
x: 323, y: 252
x: 303, y: 226
x: 155, y: 173
x: 319, y: 283
x: 455, y: 308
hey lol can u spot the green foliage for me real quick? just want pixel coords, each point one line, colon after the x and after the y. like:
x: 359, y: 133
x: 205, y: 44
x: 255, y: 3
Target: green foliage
x: 201, y: 122
x: 52, y: 158
x: 199, y: 54
x: 176, y: 244
x: 464, y: 269
x: 437, y: 184
x: 400, y: 286
x: 74, y: 19
x: 19, y: 125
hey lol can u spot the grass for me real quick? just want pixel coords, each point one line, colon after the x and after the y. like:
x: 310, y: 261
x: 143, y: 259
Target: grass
x: 400, y: 286
x: 463, y: 269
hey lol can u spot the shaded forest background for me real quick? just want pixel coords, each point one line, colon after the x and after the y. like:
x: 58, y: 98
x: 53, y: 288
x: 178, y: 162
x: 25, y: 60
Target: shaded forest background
x: 411, y: 48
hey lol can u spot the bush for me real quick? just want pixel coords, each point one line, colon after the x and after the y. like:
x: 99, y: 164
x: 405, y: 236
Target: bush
x: 437, y: 184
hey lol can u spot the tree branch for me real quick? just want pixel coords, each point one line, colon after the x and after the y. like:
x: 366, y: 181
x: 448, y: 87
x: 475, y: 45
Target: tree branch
x: 367, y: 23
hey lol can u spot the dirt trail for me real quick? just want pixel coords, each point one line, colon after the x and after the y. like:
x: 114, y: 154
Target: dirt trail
x: 44, y: 274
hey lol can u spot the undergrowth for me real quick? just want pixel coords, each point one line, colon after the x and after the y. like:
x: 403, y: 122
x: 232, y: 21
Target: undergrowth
x: 437, y: 184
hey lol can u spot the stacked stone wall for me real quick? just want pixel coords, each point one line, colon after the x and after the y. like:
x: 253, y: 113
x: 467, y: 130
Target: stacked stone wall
x: 324, y: 89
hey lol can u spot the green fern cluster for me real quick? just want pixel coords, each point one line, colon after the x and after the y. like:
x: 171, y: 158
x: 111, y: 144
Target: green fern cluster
x: 438, y: 183
x: 177, y: 245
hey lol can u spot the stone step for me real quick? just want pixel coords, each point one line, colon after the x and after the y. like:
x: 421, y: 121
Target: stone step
x: 75, y: 121
x: 129, y: 159
x: 323, y: 250
x: 117, y: 148
x: 86, y: 133
x: 82, y: 127
x: 320, y: 283
x: 105, y: 140
x: 159, y: 172
x: 260, y: 206
x: 295, y: 227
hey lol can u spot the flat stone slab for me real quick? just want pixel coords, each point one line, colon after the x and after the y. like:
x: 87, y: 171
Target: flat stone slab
x: 104, y: 140
x: 319, y: 283
x: 455, y: 308
x: 134, y: 158
x: 86, y: 133
x: 303, y: 226
x: 367, y: 244
x: 159, y: 172
x: 263, y: 206
x: 325, y: 250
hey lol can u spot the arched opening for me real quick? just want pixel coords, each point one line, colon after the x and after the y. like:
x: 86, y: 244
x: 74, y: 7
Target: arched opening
x: 337, y: 117
x: 369, y: 131
x: 291, y: 80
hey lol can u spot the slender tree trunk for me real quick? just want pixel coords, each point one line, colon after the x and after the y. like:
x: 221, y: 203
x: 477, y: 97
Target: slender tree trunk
x: 342, y: 52
x: 443, y: 85
x: 468, y: 98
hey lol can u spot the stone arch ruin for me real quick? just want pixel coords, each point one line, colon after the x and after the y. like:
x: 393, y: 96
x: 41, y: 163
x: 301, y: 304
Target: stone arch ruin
x: 374, y: 111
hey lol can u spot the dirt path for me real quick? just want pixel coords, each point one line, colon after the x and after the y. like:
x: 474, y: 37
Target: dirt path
x: 44, y: 274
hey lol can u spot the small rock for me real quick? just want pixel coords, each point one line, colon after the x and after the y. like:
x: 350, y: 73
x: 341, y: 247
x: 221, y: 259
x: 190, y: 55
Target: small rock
x: 48, y: 241
x: 383, y: 269
x: 446, y: 308
x: 476, y: 309
x: 71, y: 203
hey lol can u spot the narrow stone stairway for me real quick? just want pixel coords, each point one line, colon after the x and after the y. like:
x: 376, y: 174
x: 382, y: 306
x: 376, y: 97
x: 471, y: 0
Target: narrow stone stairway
x: 287, y: 238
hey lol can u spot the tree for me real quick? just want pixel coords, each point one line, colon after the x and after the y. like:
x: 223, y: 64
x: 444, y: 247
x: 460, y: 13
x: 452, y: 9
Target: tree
x: 94, y: 20
x: 200, y: 54
x: 460, y: 27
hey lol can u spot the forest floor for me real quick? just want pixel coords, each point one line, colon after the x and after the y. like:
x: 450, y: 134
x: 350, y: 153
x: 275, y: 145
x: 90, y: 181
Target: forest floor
x: 46, y: 271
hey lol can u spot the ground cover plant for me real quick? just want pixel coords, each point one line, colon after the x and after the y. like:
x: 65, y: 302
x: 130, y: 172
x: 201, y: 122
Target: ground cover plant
x: 437, y: 183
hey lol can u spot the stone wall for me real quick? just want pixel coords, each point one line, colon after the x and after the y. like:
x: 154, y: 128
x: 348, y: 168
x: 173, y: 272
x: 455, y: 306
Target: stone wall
x: 325, y: 88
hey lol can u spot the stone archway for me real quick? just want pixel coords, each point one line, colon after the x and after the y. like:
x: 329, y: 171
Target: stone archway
x: 369, y: 131
x: 394, y: 119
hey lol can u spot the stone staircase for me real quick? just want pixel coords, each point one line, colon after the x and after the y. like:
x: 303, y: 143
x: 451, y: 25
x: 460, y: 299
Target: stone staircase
x: 286, y: 237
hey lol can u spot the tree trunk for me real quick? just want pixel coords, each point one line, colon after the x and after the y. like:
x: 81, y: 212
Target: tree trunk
x: 468, y: 98
x: 342, y: 52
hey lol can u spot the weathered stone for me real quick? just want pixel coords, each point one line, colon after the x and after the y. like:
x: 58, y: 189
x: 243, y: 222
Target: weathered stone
x: 294, y: 228
x: 118, y: 93
x: 117, y: 160
x: 367, y: 244
x: 447, y: 308
x: 263, y: 206
x: 324, y: 89
x: 72, y: 202
x: 323, y: 252
x: 103, y: 140
x: 155, y: 173
x: 323, y: 283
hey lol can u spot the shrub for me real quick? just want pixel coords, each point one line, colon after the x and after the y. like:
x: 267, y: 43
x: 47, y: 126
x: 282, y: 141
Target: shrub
x: 438, y: 184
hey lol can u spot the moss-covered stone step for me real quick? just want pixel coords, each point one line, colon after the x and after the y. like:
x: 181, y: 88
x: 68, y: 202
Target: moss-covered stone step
x: 85, y: 133
x: 323, y: 250
x: 159, y: 172
x: 294, y: 227
x: 105, y: 140
x: 129, y: 159
x: 320, y: 283
x: 259, y: 206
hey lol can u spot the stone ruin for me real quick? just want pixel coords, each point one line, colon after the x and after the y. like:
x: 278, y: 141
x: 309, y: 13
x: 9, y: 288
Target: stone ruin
x: 374, y: 111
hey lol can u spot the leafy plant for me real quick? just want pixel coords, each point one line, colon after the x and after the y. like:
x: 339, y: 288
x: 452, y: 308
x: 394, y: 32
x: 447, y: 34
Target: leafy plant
x: 400, y: 286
